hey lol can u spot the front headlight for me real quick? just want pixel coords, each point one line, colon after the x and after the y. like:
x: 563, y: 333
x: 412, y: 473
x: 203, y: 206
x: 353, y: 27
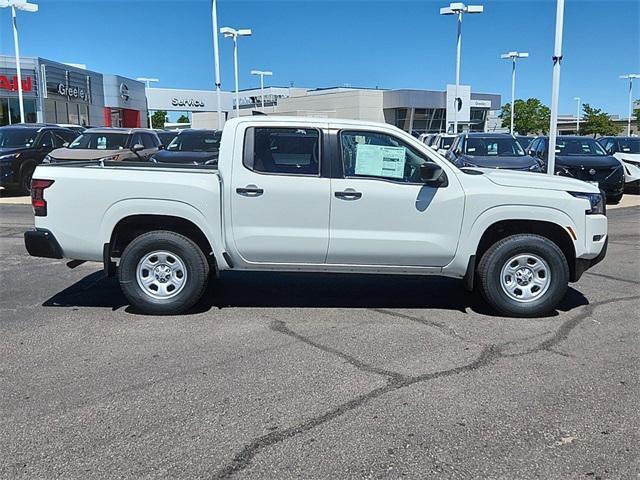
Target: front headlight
x: 9, y: 157
x: 596, y: 202
x: 110, y: 158
x: 467, y: 163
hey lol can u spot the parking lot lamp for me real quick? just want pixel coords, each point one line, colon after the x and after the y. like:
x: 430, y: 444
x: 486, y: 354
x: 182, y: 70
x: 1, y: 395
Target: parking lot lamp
x: 631, y: 77
x: 216, y: 59
x: 577, y: 99
x: 262, y: 75
x: 232, y: 33
x: 25, y: 7
x: 513, y: 56
x: 459, y: 8
x: 555, y: 88
x: 147, y: 81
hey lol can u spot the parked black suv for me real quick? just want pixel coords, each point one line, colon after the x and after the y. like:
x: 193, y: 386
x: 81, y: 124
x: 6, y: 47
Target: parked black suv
x: 491, y: 150
x: 22, y: 147
x: 198, y: 147
x: 585, y: 159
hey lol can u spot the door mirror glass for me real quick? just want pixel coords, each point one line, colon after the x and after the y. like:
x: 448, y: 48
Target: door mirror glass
x: 137, y: 147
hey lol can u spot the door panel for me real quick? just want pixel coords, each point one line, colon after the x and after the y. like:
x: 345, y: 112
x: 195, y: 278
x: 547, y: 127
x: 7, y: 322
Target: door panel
x: 381, y: 214
x: 277, y: 214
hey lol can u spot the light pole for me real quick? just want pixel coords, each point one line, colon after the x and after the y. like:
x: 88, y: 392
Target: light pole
x: 459, y: 8
x: 513, y: 56
x: 232, y: 33
x: 147, y: 82
x: 555, y: 88
x: 25, y: 7
x: 262, y: 74
x: 631, y: 77
x: 216, y: 59
x: 577, y: 99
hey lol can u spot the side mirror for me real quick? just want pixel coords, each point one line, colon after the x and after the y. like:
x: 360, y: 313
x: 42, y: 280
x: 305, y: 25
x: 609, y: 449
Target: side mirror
x: 161, y: 147
x: 137, y: 147
x: 432, y: 175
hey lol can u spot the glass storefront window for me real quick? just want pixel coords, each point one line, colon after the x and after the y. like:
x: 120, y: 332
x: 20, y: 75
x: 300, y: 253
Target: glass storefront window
x: 10, y: 111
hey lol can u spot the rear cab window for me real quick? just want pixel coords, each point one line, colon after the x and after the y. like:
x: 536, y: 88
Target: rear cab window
x: 282, y: 151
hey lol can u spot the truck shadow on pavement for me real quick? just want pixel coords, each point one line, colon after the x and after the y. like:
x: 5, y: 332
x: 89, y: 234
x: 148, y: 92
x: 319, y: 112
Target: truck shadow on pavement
x: 304, y: 290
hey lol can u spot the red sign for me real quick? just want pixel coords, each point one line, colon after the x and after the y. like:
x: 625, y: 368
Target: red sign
x: 12, y: 84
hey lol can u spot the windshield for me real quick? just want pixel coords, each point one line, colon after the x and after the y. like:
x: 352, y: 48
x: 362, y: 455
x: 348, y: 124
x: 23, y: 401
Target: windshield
x: 579, y: 146
x: 17, y: 137
x: 493, y: 147
x: 446, y: 142
x: 100, y: 141
x: 195, y: 142
x: 629, y: 145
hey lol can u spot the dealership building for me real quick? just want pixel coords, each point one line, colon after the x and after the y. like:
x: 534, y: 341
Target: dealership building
x: 55, y: 92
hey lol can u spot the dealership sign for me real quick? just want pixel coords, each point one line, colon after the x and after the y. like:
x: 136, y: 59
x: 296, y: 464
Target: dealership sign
x: 72, y: 92
x: 11, y: 84
x: 188, y: 102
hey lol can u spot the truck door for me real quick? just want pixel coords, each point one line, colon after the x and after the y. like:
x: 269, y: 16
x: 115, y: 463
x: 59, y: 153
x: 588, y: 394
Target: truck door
x: 279, y: 201
x: 381, y: 212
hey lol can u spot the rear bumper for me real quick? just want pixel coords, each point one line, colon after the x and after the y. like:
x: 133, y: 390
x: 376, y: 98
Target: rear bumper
x: 42, y: 243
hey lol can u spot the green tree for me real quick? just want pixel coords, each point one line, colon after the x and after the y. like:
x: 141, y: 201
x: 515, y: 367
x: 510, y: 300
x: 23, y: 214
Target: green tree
x: 158, y: 118
x: 530, y: 116
x: 183, y: 119
x: 596, y: 122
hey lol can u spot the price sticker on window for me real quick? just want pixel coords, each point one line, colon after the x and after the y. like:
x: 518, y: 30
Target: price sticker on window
x: 380, y: 161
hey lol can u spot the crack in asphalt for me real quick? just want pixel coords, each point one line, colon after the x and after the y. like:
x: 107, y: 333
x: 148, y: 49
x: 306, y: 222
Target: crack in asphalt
x: 611, y: 277
x: 395, y: 381
x: 443, y: 328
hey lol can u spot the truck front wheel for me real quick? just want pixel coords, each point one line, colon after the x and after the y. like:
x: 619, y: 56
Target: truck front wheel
x: 163, y: 273
x: 523, y: 275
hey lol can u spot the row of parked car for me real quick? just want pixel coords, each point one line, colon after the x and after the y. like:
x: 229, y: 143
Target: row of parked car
x: 24, y: 146
x: 608, y: 162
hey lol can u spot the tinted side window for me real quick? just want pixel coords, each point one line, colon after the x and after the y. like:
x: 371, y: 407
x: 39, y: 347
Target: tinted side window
x: 286, y: 151
x: 148, y: 140
x: 46, y: 140
x: 136, y: 139
x: 379, y: 155
x: 67, y: 136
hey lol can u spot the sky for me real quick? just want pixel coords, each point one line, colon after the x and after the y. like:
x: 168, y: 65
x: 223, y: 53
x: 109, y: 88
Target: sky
x: 362, y: 43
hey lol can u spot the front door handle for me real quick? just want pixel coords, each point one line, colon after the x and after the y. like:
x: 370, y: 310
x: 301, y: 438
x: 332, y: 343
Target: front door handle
x: 250, y: 191
x: 348, y: 194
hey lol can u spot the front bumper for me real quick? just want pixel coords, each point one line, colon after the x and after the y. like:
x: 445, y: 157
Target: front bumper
x: 42, y: 243
x: 583, y: 264
x: 8, y: 178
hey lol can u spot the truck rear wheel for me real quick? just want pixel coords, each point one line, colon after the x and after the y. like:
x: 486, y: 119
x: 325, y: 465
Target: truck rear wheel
x: 163, y: 273
x: 523, y: 275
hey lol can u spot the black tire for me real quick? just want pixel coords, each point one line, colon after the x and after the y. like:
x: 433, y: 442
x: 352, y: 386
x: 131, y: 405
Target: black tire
x: 614, y: 199
x: 188, y: 254
x: 25, y: 179
x: 495, y: 258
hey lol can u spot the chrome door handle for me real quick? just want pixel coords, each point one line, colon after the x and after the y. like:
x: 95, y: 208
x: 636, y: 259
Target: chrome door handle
x: 250, y: 191
x: 348, y: 194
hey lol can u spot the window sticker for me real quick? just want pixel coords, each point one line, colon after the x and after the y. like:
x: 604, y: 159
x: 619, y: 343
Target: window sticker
x: 380, y: 161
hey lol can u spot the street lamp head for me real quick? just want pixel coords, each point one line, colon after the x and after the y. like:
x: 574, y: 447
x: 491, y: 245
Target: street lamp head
x: 456, y: 8
x: 576, y: 99
x: 19, y: 5
x: 512, y: 55
x: 261, y: 72
x: 145, y: 79
x: 228, y: 31
x: 631, y: 76
x: 244, y: 32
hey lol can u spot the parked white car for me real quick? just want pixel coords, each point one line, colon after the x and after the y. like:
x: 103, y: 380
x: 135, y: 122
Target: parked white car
x: 627, y: 150
x: 442, y: 142
x: 313, y: 195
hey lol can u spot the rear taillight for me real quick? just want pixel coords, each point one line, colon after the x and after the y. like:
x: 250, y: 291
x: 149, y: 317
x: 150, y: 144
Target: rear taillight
x: 38, y: 202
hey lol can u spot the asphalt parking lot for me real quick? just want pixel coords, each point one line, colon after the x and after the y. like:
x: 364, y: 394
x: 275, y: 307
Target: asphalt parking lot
x: 302, y: 376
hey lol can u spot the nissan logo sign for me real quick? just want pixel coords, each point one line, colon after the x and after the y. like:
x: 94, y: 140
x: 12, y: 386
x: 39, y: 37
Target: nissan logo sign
x: 189, y: 102
x: 124, y: 91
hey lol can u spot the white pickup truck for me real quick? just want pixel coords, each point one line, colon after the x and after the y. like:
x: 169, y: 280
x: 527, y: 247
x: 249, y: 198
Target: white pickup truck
x: 320, y: 195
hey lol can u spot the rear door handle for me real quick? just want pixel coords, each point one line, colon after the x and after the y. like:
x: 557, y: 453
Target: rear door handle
x: 250, y: 191
x: 348, y: 194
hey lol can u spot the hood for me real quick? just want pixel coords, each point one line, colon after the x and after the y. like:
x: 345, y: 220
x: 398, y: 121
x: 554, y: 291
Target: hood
x: 9, y: 151
x: 165, y: 156
x: 84, y: 154
x: 633, y: 157
x: 492, y: 161
x: 539, y: 181
x: 586, y: 161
